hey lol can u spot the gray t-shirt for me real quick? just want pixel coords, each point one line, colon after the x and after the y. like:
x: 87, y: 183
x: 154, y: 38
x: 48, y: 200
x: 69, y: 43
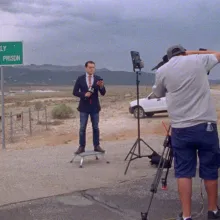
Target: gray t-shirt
x: 184, y: 82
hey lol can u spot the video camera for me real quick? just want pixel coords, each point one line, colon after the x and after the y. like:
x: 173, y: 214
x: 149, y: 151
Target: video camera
x: 165, y: 60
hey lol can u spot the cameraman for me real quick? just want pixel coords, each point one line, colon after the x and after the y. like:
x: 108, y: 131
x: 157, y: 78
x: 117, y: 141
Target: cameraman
x: 87, y: 88
x: 183, y: 79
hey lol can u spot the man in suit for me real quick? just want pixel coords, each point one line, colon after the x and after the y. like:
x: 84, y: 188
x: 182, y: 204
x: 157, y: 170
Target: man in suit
x: 87, y: 88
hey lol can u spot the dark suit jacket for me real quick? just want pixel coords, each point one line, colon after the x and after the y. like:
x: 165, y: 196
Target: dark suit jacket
x: 81, y: 88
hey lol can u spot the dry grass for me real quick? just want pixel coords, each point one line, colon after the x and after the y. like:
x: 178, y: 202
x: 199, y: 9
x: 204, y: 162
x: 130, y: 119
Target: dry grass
x: 217, y: 87
x: 117, y: 92
x: 114, y: 93
x: 20, y: 104
x: 116, y: 123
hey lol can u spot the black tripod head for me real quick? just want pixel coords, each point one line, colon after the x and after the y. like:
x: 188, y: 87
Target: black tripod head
x: 136, y: 61
x: 164, y: 60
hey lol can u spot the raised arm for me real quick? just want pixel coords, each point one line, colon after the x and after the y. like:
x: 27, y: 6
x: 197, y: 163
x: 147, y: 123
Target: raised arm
x: 215, y: 53
x: 208, y: 58
x: 101, y: 86
x: 191, y: 52
x: 102, y: 90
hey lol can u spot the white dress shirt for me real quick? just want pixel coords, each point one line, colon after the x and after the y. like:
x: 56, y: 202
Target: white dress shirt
x: 87, y: 79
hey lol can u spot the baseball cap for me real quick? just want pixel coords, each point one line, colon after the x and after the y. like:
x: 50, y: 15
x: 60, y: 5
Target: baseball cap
x: 175, y: 50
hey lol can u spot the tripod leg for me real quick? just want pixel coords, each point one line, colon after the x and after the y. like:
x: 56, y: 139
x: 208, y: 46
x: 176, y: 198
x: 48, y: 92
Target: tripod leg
x: 132, y: 149
x: 154, y: 186
x: 159, y: 171
x: 167, y: 151
x: 73, y: 159
x: 81, y: 162
x: 104, y: 158
x: 132, y: 153
x: 147, y: 145
x: 156, y: 181
x: 169, y: 164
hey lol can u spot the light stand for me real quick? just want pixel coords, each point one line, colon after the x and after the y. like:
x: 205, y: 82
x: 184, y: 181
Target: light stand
x: 137, y: 143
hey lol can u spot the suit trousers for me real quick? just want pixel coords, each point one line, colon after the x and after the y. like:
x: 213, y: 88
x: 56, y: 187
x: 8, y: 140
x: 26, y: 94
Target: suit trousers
x: 84, y: 116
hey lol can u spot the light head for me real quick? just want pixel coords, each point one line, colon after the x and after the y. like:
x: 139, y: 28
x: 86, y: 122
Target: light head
x: 136, y: 60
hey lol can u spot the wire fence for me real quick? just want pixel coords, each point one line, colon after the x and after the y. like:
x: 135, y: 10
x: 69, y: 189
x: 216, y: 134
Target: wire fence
x: 24, y: 123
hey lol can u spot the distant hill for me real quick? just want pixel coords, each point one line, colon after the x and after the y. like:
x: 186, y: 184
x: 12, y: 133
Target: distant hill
x: 214, y: 81
x: 48, y: 74
x: 66, y: 75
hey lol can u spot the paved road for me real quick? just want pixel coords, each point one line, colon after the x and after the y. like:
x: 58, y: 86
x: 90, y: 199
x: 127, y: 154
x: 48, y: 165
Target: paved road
x: 122, y: 202
x: 42, y: 172
x: 98, y: 191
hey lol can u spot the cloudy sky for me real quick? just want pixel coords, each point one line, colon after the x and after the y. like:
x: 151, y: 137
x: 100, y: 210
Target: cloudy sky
x: 69, y: 32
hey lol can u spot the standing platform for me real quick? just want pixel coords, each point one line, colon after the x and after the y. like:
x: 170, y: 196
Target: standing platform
x: 88, y: 154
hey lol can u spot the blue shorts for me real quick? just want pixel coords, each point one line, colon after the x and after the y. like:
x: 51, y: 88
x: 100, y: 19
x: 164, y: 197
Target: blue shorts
x: 190, y: 141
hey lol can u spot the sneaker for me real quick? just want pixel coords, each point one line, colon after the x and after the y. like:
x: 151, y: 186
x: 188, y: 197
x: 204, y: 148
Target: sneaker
x: 212, y: 215
x: 180, y: 217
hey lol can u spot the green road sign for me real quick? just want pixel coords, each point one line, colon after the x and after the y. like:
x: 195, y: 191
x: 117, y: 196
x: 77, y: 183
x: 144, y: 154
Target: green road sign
x: 11, y: 53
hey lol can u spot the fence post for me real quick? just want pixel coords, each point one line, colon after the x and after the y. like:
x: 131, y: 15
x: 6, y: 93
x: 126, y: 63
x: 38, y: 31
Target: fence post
x: 38, y: 116
x: 46, y: 117
x: 11, y: 127
x: 30, y: 126
x: 22, y: 120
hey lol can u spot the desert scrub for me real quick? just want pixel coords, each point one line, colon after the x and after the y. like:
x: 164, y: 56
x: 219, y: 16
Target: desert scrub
x: 38, y: 105
x: 62, y: 111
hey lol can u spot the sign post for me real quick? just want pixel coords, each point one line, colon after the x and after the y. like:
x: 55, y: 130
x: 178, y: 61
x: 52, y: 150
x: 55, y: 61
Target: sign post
x: 11, y: 54
x: 3, y: 108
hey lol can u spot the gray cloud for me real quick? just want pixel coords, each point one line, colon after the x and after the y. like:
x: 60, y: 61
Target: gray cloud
x: 70, y: 32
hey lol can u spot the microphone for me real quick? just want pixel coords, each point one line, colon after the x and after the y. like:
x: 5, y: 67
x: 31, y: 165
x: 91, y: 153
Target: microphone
x: 91, y: 90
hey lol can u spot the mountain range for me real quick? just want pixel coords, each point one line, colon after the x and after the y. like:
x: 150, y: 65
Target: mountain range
x: 48, y: 74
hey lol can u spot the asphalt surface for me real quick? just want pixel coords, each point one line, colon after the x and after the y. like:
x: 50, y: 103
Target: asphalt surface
x: 41, y: 184
x: 125, y: 201
x: 42, y: 172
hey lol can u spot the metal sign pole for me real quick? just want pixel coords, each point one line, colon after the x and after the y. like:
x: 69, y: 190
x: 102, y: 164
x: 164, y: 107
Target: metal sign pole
x: 3, y: 108
x: 11, y: 54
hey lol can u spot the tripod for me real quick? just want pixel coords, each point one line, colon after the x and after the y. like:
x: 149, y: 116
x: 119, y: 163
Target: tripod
x: 137, y: 143
x: 165, y: 162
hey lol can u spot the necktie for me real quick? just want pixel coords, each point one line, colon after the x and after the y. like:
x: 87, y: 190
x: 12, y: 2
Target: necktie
x: 90, y: 85
x: 90, y: 81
